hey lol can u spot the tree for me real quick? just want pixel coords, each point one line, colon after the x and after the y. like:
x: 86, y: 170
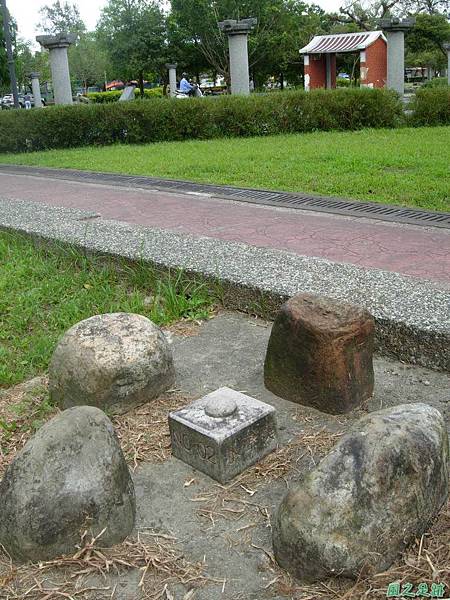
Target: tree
x: 366, y: 13
x: 431, y: 7
x: 273, y: 45
x: 183, y: 48
x: 198, y: 20
x: 61, y: 17
x: 24, y: 61
x: 296, y: 23
x: 4, y: 71
x: 424, y: 43
x: 4, y: 76
x: 133, y: 34
x: 88, y: 60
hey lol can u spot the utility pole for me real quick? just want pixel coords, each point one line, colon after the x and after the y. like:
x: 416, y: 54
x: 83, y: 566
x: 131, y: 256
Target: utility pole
x: 9, y: 53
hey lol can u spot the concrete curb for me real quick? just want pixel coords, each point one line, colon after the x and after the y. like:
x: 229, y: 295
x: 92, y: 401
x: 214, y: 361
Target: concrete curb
x: 412, y: 315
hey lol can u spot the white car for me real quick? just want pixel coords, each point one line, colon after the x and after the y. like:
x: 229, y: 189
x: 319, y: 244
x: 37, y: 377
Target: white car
x: 8, y: 101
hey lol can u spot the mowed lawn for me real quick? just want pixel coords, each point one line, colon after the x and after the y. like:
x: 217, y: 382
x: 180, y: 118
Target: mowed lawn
x: 405, y: 166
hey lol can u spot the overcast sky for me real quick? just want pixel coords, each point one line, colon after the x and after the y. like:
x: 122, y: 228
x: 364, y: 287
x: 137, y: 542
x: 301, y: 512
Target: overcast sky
x: 26, y: 13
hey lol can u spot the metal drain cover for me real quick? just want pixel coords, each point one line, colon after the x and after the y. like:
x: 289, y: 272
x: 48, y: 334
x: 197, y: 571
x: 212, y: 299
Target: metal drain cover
x: 327, y: 204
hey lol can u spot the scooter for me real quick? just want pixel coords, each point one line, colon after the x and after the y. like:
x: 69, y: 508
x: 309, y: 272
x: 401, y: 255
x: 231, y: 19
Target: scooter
x: 197, y: 93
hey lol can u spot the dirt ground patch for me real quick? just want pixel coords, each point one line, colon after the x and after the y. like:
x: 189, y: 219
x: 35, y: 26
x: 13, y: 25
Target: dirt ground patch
x: 196, y: 539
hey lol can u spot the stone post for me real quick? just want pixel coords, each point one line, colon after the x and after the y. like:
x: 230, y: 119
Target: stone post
x: 237, y: 32
x: 447, y: 47
x: 172, y: 68
x: 328, y: 71
x: 57, y: 46
x: 36, y: 89
x: 306, y: 60
x: 395, y: 29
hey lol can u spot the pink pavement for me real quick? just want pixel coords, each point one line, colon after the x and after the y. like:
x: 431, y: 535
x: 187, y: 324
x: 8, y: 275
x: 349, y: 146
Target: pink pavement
x: 422, y: 252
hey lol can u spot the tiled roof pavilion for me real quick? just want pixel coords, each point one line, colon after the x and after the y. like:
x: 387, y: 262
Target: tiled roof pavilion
x: 342, y: 42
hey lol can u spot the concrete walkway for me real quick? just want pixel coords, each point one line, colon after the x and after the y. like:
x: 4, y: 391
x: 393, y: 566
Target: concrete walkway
x: 422, y: 252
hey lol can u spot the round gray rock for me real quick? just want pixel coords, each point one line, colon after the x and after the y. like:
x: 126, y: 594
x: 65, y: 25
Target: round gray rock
x: 220, y: 407
x: 71, y: 476
x: 113, y: 361
x: 375, y: 492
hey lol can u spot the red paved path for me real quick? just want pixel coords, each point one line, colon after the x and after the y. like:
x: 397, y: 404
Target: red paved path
x: 411, y: 250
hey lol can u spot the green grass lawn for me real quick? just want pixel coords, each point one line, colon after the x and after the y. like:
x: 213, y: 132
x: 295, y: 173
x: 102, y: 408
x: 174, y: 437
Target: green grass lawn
x: 398, y: 166
x: 44, y: 290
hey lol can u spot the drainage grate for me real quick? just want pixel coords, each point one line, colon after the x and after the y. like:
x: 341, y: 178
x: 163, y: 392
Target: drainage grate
x: 325, y: 204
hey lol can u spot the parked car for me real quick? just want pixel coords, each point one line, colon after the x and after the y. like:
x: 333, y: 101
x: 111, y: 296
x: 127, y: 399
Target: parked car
x: 7, y: 101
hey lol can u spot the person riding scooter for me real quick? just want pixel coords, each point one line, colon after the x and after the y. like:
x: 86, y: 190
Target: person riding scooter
x: 186, y: 87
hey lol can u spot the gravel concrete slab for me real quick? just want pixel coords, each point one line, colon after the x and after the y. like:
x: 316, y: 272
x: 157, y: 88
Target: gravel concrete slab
x: 229, y: 350
x: 412, y: 316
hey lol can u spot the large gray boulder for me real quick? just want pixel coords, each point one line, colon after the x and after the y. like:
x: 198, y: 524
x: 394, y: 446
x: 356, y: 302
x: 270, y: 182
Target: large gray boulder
x: 70, y: 477
x: 114, y: 361
x: 375, y: 492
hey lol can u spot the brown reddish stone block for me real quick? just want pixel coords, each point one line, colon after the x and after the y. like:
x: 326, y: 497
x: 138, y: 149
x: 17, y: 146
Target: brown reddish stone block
x: 320, y: 354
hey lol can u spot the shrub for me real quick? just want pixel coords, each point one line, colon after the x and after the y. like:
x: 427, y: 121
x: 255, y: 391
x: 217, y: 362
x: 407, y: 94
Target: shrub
x: 166, y: 119
x: 106, y: 97
x: 436, y: 82
x: 431, y: 106
x: 343, y: 83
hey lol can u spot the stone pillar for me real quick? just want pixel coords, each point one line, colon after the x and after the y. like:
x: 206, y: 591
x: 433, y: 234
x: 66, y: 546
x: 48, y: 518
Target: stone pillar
x: 307, y: 73
x: 237, y: 32
x: 172, y: 68
x: 363, y: 70
x: 36, y: 89
x: 57, y: 46
x: 395, y: 29
x: 328, y: 71
x: 447, y: 47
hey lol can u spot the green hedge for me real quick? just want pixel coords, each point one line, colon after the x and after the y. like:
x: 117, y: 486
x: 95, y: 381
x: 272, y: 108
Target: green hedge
x: 436, y: 82
x: 171, y: 119
x: 343, y: 83
x: 106, y: 97
x: 431, y: 106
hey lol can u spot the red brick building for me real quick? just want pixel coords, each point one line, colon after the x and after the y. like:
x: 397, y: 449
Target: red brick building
x: 320, y: 58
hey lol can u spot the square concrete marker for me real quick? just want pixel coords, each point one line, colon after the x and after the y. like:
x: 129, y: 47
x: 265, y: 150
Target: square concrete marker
x: 223, y: 433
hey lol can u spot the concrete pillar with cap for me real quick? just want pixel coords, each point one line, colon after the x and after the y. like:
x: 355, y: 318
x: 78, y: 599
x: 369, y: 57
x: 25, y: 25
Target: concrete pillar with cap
x: 237, y: 32
x: 59, y: 64
x: 394, y: 29
x: 36, y: 89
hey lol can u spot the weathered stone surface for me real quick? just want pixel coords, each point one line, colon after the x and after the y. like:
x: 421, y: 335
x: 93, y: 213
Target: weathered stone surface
x: 127, y: 94
x: 71, y: 476
x: 373, y: 494
x: 223, y: 433
x: 113, y: 361
x: 320, y: 354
